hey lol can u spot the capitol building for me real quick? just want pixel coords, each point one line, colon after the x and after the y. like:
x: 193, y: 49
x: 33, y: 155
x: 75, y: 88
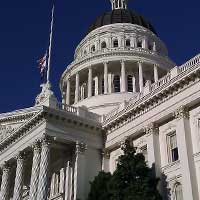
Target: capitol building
x: 120, y: 86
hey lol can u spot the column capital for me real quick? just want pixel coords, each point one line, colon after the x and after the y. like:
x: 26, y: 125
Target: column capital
x: 105, y: 153
x: 46, y: 140
x: 90, y: 67
x: 140, y: 62
x: 36, y: 145
x: 156, y: 65
x: 80, y: 147
x: 105, y: 62
x: 122, y: 61
x: 6, y: 166
x: 152, y: 128
x: 124, y: 142
x: 21, y: 155
x: 182, y: 113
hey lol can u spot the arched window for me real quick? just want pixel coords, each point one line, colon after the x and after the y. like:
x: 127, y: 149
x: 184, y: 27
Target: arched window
x: 85, y: 52
x: 93, y: 48
x: 128, y: 43
x: 130, y: 83
x: 139, y: 44
x: 178, y: 193
x: 115, y: 43
x: 116, y: 83
x: 103, y: 45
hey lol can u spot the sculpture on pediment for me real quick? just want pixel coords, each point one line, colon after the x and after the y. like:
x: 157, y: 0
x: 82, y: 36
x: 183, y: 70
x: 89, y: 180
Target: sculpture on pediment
x: 5, y: 131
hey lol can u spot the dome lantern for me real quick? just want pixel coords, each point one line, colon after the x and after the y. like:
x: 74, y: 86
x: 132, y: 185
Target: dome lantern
x: 119, y: 4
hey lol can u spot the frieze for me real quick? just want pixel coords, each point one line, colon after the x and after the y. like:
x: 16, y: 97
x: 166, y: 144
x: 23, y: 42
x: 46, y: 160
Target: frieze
x: 5, y: 131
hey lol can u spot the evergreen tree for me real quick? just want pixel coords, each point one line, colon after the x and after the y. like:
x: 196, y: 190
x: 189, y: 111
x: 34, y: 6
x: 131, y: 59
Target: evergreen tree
x: 99, y: 187
x: 132, y: 180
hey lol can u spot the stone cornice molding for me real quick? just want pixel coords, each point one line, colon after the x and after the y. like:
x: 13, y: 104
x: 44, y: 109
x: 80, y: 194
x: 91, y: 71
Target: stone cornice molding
x: 153, y: 99
x: 182, y: 113
x: 80, y: 147
x: 44, y: 115
x: 152, y: 128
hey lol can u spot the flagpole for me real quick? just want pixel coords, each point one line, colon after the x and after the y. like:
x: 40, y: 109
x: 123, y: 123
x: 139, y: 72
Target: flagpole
x: 50, y: 46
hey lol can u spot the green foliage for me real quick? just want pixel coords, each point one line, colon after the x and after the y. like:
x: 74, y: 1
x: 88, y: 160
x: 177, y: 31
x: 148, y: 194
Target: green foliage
x: 99, y: 187
x: 132, y: 180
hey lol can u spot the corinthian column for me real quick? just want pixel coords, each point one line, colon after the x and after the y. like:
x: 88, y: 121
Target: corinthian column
x: 77, y: 88
x: 105, y: 77
x: 44, y: 169
x: 68, y: 92
x: 5, y: 182
x: 90, y: 82
x: 123, y: 76
x: 35, y: 171
x: 141, y: 80
x: 19, y: 178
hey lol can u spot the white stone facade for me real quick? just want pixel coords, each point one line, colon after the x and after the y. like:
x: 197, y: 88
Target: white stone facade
x: 121, y: 85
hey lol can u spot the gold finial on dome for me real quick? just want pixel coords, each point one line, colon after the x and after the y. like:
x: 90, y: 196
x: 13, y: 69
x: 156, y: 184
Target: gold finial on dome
x: 119, y: 4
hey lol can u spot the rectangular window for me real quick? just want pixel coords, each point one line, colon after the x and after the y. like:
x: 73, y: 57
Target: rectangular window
x: 172, y: 148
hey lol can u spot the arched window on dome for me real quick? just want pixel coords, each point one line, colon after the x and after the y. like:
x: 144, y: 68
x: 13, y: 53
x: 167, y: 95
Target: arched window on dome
x: 103, y: 45
x: 178, y: 192
x: 116, y: 83
x: 130, y: 83
x: 128, y: 43
x: 115, y: 43
x: 93, y: 48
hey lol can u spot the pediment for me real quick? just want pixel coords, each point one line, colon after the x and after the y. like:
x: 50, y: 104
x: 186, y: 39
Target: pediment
x: 9, y: 122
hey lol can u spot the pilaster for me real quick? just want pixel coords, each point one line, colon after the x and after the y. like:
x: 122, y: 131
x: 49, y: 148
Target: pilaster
x: 79, y: 172
x: 105, y: 160
x: 183, y: 133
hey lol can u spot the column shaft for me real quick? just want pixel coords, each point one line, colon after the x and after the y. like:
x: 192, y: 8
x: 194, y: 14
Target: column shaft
x: 141, y: 81
x: 68, y: 92
x: 5, y: 183
x: 90, y: 81
x: 44, y: 169
x: 105, y: 78
x: 77, y: 88
x: 155, y: 73
x: 19, y: 178
x: 35, y: 172
x: 123, y: 77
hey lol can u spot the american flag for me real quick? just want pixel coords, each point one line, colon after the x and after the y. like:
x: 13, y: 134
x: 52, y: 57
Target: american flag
x: 42, y: 65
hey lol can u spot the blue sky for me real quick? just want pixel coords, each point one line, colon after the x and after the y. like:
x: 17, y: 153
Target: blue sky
x: 24, y: 32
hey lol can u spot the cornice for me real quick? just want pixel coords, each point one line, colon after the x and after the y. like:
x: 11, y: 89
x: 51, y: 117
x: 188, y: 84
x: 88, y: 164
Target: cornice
x: 153, y: 99
x: 44, y: 115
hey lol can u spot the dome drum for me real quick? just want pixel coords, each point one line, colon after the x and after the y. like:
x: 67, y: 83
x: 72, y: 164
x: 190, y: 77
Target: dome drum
x: 119, y: 37
x: 125, y: 77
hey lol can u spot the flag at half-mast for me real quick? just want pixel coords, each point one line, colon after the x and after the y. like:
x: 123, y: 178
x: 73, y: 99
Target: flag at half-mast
x: 42, y: 65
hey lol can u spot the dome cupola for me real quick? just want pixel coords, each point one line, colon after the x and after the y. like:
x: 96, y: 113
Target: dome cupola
x: 119, y: 4
x: 120, y: 14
